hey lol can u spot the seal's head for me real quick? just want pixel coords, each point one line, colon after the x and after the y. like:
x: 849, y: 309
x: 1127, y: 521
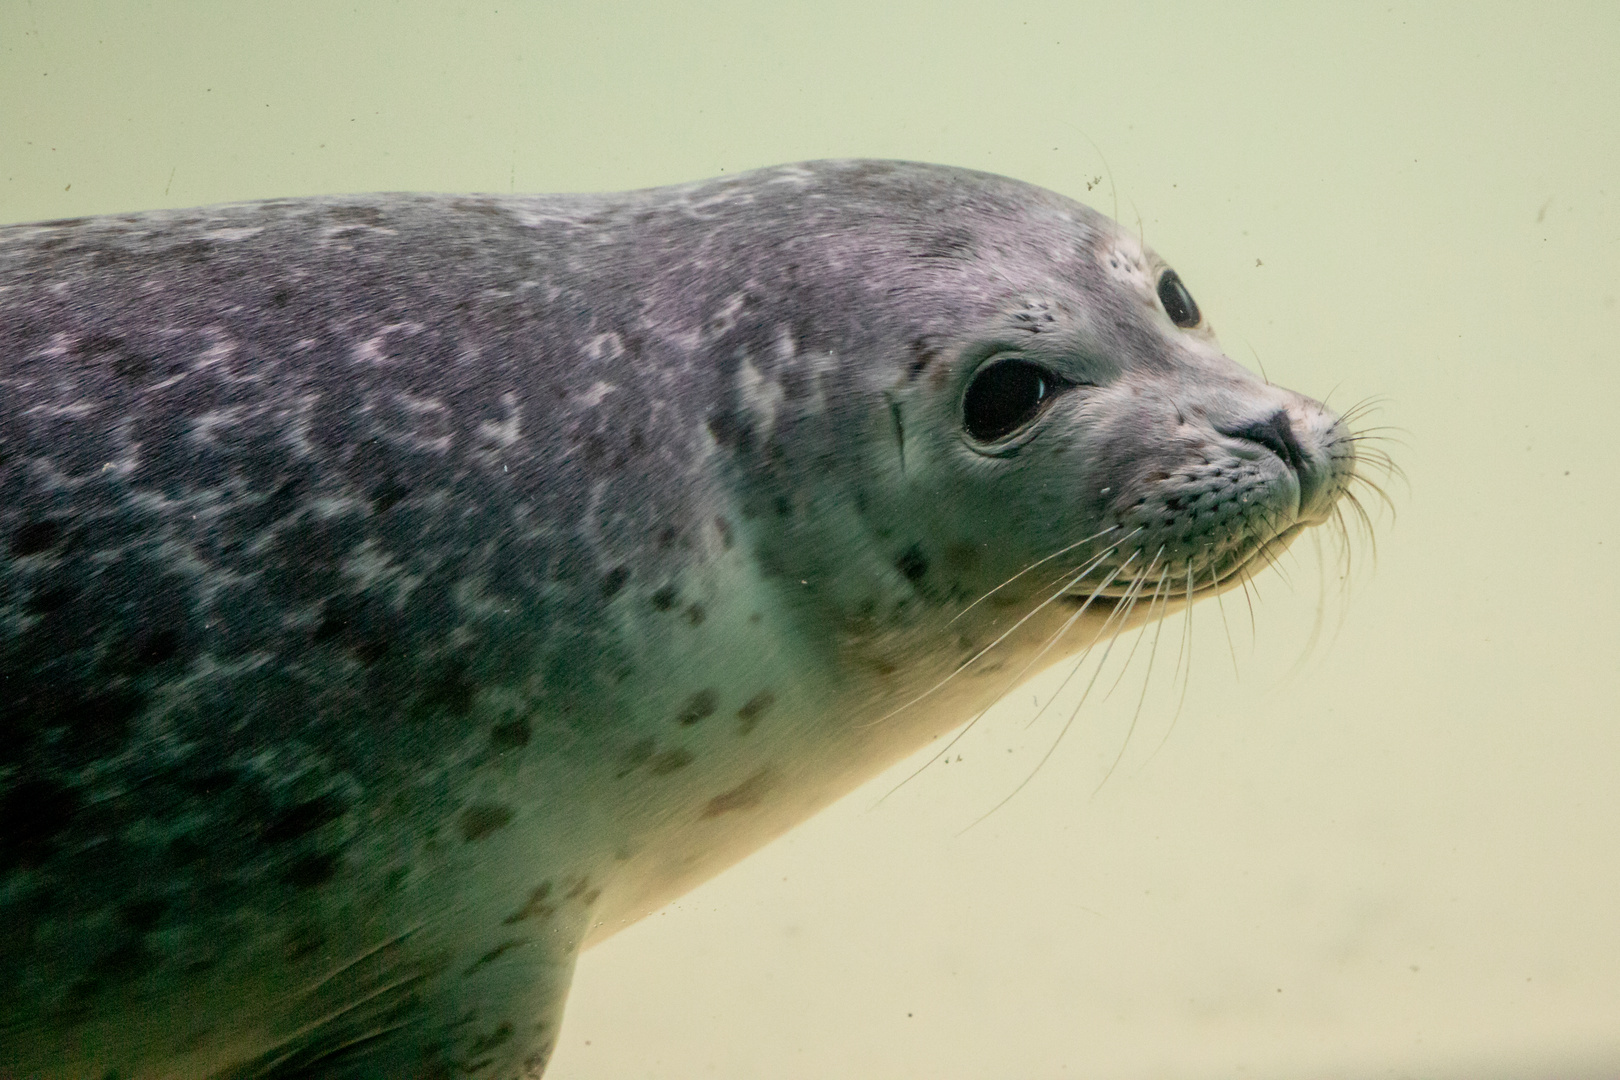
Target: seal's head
x: 1038, y: 390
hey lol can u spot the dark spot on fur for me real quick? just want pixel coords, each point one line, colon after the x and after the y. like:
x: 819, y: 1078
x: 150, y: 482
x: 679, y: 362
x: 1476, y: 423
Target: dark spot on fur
x: 484, y: 1044
x: 387, y: 495
x: 358, y: 625
x: 664, y: 598
x: 35, y: 537
x: 666, y: 537
x: 745, y: 796
x: 119, y: 964
x: 923, y: 352
x: 303, y: 819
x: 312, y: 870
x: 912, y: 564
x: 131, y: 365
x: 142, y: 915
x: 535, y: 907
x: 695, y: 614
x: 635, y: 755
x: 53, y: 598
x: 495, y: 954
x: 481, y: 819
x: 150, y: 648
x: 302, y: 941
x: 756, y: 618
x: 731, y: 431
x: 723, y: 527
x: 186, y: 851
x: 784, y: 506
x: 280, y: 297
x: 396, y: 877
x: 669, y: 761
x: 753, y: 709
x: 699, y: 705
x: 334, y: 621
x: 101, y: 725
x: 512, y: 734
x: 450, y: 691
x: 613, y: 581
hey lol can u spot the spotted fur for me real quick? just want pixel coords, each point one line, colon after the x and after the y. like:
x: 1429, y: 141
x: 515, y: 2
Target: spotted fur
x: 398, y: 592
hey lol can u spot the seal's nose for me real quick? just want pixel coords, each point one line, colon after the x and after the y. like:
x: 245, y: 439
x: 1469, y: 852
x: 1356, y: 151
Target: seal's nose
x: 1276, y: 433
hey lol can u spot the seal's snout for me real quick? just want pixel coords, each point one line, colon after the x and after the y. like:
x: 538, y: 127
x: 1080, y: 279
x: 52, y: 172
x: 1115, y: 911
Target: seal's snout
x: 1275, y: 433
x: 1293, y: 438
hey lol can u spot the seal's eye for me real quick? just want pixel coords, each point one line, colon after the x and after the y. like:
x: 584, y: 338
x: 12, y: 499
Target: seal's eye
x: 1003, y: 397
x: 1177, y: 301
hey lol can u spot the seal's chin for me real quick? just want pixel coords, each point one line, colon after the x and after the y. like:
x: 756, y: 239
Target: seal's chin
x: 1199, y: 580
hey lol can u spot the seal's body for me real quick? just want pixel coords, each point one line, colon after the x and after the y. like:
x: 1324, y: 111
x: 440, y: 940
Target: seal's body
x: 399, y: 592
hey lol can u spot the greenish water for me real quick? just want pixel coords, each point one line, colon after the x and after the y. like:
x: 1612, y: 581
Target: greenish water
x: 1395, y: 854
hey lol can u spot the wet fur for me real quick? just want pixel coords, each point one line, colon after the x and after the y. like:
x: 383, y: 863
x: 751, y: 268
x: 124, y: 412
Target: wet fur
x: 399, y: 592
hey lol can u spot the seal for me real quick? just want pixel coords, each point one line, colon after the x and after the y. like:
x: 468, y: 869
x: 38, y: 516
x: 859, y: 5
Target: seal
x: 401, y: 592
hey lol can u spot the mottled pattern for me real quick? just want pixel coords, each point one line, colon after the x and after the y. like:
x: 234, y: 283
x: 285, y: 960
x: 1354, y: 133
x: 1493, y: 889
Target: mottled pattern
x: 352, y: 548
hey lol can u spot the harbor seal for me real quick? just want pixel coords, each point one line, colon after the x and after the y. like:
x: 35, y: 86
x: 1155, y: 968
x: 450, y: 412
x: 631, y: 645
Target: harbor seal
x: 401, y: 592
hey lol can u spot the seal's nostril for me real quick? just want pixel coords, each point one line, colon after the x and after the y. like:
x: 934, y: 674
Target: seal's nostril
x: 1275, y: 433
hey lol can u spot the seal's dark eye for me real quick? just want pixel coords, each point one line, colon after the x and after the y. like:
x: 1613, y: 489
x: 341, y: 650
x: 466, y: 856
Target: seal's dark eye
x: 1003, y: 397
x: 1177, y: 301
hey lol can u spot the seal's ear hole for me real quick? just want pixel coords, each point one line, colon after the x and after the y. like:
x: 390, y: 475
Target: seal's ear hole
x: 1004, y: 396
x: 1178, y: 302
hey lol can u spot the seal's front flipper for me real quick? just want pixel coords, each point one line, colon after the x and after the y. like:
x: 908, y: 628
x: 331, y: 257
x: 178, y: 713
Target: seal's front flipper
x: 423, y: 1016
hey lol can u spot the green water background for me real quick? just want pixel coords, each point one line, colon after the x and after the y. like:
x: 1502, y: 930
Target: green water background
x: 1395, y: 855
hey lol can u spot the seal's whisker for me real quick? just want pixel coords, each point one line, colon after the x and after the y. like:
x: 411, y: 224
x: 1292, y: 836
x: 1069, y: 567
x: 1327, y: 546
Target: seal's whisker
x: 976, y: 657
x: 1186, y: 679
x: 1267, y: 553
x: 1261, y: 364
x: 1319, y: 619
x: 1119, y: 613
x: 1377, y: 458
x: 1143, y: 580
x: 1341, y: 535
x: 1363, y: 407
x: 1121, y: 610
x: 1341, y: 538
x: 1020, y: 676
x: 1061, y: 551
x: 1350, y: 431
x: 1366, y: 524
x: 1372, y: 435
x: 1245, y: 579
x: 1375, y: 433
x: 1147, y: 678
x: 1378, y: 490
x: 1184, y: 643
x: 1220, y: 605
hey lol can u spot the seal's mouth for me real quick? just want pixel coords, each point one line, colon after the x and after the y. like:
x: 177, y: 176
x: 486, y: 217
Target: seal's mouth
x: 1182, y: 579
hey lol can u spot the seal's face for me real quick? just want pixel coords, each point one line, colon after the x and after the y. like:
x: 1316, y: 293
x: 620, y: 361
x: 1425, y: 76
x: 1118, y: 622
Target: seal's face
x: 1092, y: 426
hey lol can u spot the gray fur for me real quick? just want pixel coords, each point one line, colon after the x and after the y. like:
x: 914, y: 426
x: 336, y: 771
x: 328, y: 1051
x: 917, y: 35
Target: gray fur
x: 320, y: 517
